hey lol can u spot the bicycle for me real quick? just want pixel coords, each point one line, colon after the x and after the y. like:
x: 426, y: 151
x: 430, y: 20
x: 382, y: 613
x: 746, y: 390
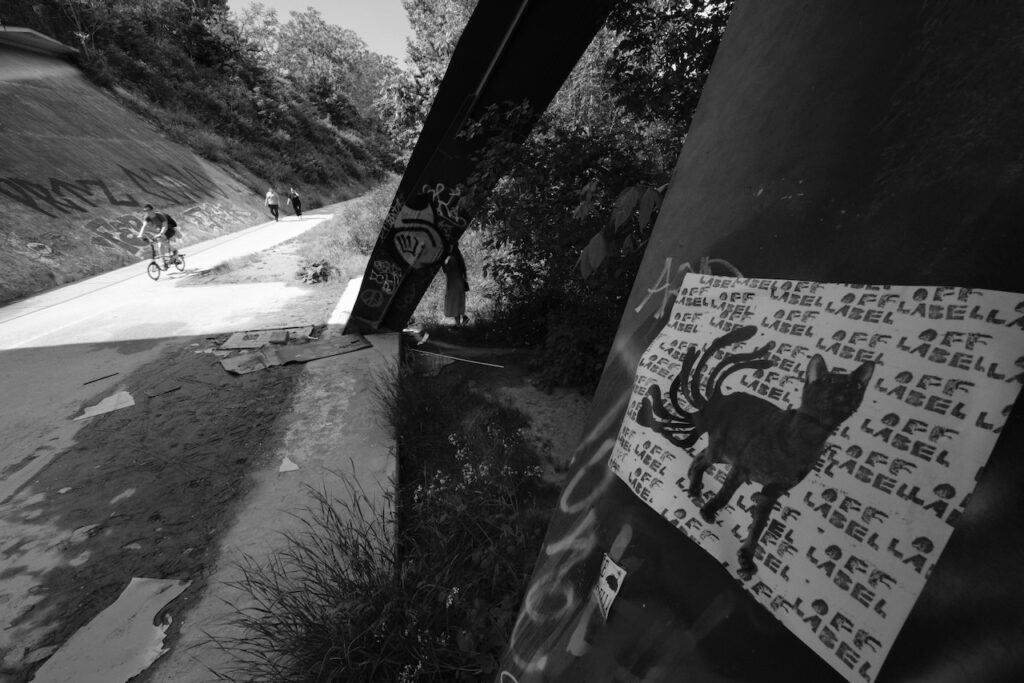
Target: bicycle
x: 176, y: 259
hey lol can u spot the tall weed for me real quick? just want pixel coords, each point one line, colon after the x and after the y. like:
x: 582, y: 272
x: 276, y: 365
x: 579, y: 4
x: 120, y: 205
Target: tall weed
x: 422, y: 587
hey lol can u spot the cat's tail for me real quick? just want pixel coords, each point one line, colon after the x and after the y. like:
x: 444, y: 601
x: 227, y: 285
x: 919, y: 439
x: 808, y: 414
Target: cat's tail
x: 677, y: 426
x: 753, y: 360
x: 693, y: 371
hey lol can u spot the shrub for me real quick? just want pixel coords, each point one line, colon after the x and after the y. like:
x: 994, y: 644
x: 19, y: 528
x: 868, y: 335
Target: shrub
x: 363, y: 218
x: 313, y: 273
x: 423, y: 591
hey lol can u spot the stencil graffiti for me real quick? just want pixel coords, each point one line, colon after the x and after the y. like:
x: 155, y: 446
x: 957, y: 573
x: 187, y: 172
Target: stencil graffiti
x: 901, y: 434
x: 539, y: 646
x: 55, y: 197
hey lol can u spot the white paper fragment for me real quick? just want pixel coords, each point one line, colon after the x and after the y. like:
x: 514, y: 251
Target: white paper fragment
x: 83, y: 532
x: 127, y: 493
x: 120, y: 642
x: 287, y: 466
x: 64, y: 490
x: 121, y: 399
x: 608, y: 584
x: 80, y: 559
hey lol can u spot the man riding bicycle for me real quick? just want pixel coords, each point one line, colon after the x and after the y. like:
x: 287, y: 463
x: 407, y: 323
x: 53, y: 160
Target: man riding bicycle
x: 159, y: 228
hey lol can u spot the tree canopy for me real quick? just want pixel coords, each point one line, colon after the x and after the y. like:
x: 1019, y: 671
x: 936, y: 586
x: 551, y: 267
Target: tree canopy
x: 565, y: 216
x: 291, y: 101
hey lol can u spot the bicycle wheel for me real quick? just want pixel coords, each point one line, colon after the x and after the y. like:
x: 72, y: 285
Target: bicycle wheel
x: 179, y: 262
x: 153, y: 270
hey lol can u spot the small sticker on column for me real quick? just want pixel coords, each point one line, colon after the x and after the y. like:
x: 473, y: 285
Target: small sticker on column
x: 608, y: 584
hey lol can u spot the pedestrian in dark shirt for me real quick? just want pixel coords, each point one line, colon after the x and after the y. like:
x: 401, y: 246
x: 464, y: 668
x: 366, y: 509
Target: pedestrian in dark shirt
x: 293, y: 199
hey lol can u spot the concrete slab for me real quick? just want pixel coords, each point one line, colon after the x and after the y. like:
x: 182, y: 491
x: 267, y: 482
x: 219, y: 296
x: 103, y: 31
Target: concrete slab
x: 333, y: 430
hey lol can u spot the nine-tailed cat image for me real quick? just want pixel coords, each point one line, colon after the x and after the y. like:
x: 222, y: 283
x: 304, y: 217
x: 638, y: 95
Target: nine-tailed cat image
x: 763, y: 443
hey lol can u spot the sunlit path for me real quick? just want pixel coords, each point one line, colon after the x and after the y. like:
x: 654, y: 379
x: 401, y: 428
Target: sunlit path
x: 126, y: 304
x: 69, y: 347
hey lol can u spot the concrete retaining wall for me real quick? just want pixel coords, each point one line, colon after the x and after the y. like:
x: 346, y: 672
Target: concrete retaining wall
x: 76, y: 169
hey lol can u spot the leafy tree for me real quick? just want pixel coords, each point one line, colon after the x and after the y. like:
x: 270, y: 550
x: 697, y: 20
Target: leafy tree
x: 663, y: 56
x: 332, y: 63
x: 566, y: 214
x: 406, y: 99
x: 231, y: 87
x: 536, y: 232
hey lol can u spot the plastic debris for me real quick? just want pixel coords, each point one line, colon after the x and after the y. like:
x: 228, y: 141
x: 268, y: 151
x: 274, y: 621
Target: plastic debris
x: 287, y: 465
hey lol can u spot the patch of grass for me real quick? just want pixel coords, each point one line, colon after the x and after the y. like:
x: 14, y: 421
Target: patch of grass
x: 430, y: 311
x: 425, y: 587
x: 322, y: 244
x: 362, y: 220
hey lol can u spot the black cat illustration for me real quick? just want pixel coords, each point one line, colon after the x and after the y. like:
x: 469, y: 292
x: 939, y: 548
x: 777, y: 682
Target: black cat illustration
x: 762, y: 443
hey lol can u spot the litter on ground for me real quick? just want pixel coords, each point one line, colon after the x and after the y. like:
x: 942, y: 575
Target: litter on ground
x: 113, y: 374
x: 120, y: 642
x: 121, y: 399
x: 300, y: 353
x: 258, y: 338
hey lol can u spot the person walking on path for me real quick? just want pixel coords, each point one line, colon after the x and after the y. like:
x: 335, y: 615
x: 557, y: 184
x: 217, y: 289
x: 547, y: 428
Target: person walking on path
x: 293, y: 199
x: 272, y: 202
x: 456, y: 286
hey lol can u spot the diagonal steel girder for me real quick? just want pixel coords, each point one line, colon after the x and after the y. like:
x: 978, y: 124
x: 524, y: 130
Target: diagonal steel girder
x: 509, y: 52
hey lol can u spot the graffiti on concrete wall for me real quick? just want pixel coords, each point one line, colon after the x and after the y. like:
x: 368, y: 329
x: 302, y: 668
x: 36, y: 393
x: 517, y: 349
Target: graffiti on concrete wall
x: 212, y: 217
x: 416, y: 237
x: 120, y: 233
x: 585, y: 531
x: 55, y: 197
x: 821, y: 441
x: 561, y: 632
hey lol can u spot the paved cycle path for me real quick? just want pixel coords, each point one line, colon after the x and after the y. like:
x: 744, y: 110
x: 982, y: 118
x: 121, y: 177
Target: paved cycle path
x: 98, y: 308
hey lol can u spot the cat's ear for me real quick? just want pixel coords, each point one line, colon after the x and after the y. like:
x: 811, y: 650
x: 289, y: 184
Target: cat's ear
x: 864, y: 372
x: 816, y: 368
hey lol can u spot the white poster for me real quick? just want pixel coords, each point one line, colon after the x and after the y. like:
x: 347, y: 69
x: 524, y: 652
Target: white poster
x: 821, y: 440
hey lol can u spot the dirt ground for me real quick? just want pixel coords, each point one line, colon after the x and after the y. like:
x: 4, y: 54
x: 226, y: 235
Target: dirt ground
x: 147, y: 490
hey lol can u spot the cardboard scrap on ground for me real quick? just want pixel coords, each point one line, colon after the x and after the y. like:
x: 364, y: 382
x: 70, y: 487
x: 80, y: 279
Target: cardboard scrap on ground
x: 120, y: 642
x: 268, y: 357
x: 121, y: 399
x: 245, y: 363
x: 287, y: 465
x: 258, y: 338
